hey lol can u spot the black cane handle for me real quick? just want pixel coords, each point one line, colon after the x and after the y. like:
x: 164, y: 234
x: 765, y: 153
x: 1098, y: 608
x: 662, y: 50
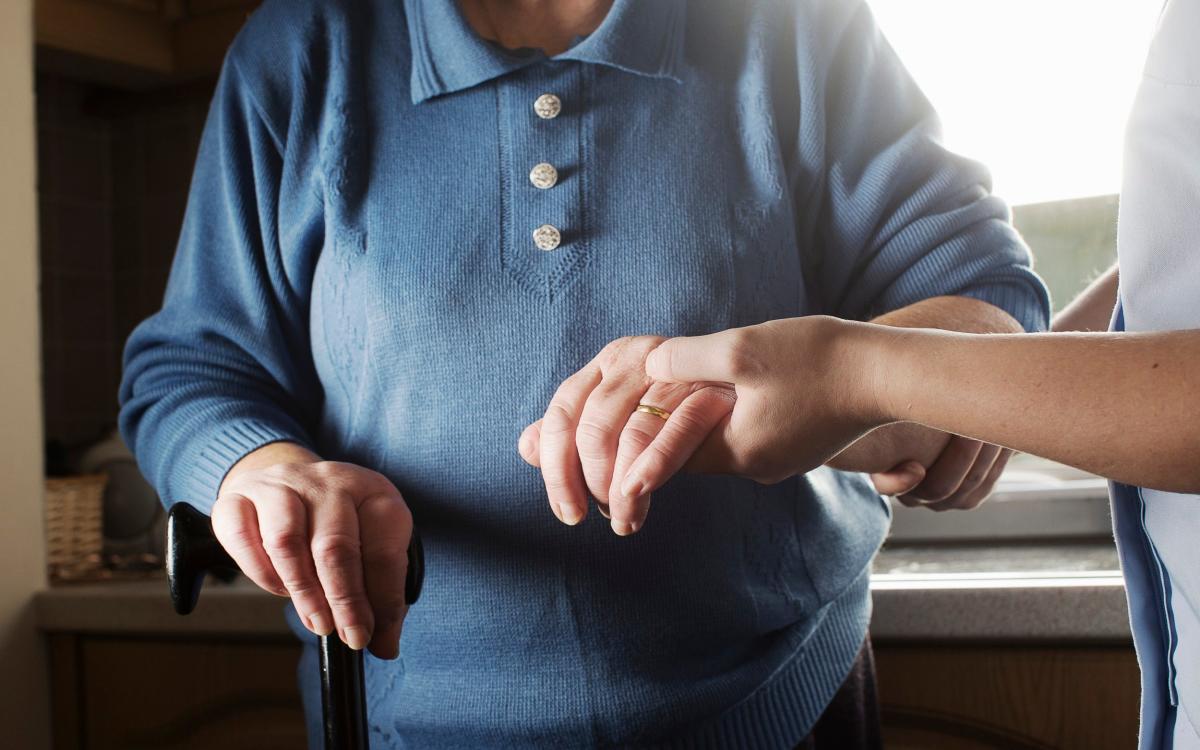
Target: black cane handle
x: 193, y: 552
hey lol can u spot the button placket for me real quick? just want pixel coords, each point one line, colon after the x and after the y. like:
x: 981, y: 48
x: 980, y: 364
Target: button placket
x: 541, y: 151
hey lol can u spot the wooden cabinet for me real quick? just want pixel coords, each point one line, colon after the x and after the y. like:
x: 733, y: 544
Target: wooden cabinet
x: 129, y: 692
x: 1010, y: 697
x: 141, y: 693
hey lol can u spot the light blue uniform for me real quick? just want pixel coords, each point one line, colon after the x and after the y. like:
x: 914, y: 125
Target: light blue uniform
x: 1158, y: 533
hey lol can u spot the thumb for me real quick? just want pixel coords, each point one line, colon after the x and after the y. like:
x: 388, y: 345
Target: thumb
x: 694, y: 359
x: 529, y: 445
x: 899, y: 479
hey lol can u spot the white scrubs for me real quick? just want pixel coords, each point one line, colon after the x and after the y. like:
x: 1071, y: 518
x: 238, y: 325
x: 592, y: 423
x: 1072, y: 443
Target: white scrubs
x: 1158, y: 533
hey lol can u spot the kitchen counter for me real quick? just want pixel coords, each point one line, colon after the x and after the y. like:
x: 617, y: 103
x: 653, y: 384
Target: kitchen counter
x: 1018, y: 592
x: 1032, y: 593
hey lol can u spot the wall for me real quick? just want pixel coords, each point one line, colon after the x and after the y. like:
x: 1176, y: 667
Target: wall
x: 1073, y: 241
x: 23, y: 704
x: 79, y: 364
x: 113, y: 175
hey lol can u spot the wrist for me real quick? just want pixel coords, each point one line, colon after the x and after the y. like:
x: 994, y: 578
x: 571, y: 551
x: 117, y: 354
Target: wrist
x: 861, y: 351
x: 882, y: 350
x: 270, y: 454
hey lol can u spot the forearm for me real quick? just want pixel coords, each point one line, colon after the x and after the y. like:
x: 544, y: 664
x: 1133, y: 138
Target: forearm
x: 1092, y: 310
x: 888, y: 446
x: 962, y: 314
x: 1124, y: 406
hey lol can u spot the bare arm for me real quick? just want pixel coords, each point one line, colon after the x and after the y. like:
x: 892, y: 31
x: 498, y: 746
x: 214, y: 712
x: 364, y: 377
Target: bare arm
x: 893, y: 444
x: 1092, y: 310
x: 1125, y: 406
x: 928, y: 467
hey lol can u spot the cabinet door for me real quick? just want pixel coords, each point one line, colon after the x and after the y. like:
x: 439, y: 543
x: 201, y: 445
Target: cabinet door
x: 189, y: 694
x: 1010, y: 697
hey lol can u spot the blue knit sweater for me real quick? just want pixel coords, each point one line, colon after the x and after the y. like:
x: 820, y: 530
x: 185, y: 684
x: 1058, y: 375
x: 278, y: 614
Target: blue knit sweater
x: 357, y: 273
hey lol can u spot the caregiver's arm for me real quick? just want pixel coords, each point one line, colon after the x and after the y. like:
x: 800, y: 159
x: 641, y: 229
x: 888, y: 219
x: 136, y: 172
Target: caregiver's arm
x: 1092, y: 310
x: 905, y: 231
x: 952, y: 471
x: 1125, y: 406
x: 1121, y: 405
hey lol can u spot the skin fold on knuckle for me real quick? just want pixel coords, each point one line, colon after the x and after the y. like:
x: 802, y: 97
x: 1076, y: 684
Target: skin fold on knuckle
x: 594, y: 437
x: 287, y: 544
x: 557, y: 420
x: 635, y: 438
x: 336, y: 551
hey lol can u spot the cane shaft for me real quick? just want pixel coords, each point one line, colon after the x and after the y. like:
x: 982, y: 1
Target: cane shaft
x: 343, y: 695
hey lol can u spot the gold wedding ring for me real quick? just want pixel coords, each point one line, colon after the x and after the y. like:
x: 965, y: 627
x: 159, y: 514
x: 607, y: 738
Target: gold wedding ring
x: 648, y: 409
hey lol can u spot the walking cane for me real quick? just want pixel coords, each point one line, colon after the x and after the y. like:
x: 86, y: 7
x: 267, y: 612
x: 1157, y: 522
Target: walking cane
x: 193, y: 551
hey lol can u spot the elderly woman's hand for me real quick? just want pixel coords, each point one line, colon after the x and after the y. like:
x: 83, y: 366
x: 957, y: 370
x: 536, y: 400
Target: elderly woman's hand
x: 592, y: 432
x: 765, y: 402
x: 332, y: 536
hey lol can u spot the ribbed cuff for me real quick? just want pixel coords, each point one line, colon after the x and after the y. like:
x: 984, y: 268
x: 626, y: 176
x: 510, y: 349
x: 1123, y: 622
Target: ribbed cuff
x: 1025, y: 301
x: 784, y: 709
x: 218, y: 452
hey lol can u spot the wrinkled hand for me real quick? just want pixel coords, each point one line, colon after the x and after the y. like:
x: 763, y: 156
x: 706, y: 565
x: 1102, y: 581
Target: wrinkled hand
x: 332, y: 536
x: 591, y: 433
x: 591, y: 436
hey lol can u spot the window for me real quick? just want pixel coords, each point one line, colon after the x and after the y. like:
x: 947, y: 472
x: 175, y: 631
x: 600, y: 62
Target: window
x: 1039, y: 90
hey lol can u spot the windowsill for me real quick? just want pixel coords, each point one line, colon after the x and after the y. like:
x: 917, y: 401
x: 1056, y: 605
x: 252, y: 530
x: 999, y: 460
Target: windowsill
x: 1020, y: 593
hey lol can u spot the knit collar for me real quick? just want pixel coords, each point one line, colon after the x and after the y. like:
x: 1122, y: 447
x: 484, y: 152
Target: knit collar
x: 638, y: 36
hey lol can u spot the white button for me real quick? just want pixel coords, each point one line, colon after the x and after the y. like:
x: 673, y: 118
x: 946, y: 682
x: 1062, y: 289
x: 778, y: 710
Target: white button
x: 547, y: 237
x: 543, y: 176
x: 547, y: 106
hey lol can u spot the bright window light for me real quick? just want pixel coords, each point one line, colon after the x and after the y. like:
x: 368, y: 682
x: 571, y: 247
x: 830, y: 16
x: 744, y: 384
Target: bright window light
x: 1039, y: 90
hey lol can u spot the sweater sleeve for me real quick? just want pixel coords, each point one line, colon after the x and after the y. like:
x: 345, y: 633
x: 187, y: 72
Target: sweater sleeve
x: 902, y: 218
x: 225, y: 366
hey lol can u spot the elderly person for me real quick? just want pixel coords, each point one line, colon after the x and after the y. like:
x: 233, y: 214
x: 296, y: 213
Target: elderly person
x: 410, y: 221
x: 1123, y: 404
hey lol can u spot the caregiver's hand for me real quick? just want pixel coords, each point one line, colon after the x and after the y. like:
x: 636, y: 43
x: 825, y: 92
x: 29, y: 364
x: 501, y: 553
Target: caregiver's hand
x: 591, y: 431
x: 924, y: 467
x: 806, y: 388
x: 332, y: 536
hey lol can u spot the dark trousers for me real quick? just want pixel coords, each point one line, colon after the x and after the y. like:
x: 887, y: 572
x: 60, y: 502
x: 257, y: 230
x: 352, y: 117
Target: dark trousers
x: 851, y: 721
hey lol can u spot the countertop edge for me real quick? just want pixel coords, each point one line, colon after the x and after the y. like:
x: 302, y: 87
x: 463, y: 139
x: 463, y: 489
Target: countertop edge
x: 912, y: 608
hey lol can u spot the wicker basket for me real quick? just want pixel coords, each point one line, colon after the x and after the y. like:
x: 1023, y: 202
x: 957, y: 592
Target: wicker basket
x: 75, y: 527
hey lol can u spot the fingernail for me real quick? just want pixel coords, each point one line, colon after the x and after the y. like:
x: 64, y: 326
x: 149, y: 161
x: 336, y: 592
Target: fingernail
x: 523, y: 445
x: 570, y: 515
x: 319, y: 624
x: 622, y: 528
x: 603, y: 508
x: 632, y: 487
x: 557, y: 511
x: 356, y: 637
